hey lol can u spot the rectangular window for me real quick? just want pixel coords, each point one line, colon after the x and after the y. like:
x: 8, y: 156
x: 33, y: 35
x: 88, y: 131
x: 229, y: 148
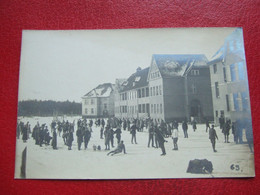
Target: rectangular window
x: 157, y: 108
x: 125, y: 109
x: 245, y: 101
x: 217, y: 89
x: 195, y: 72
x: 216, y: 113
x: 157, y: 90
x: 147, y: 91
x: 92, y: 110
x: 139, y: 108
x: 86, y: 102
x: 241, y: 72
x: 236, y: 103
x: 143, y: 92
x: 143, y: 108
x: 154, y: 107
x: 233, y: 72
x: 105, y: 106
x: 160, y: 90
x: 153, y: 91
x: 224, y: 74
x: 147, y: 108
x: 161, y: 108
x: 139, y: 93
x: 86, y: 111
x: 151, y: 108
x: 227, y: 102
x: 215, y: 68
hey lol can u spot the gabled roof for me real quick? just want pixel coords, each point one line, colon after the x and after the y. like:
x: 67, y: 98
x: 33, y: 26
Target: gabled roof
x: 102, y: 90
x: 178, y: 65
x: 136, y: 80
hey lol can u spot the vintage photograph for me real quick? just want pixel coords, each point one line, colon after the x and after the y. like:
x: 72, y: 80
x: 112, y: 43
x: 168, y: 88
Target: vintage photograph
x: 134, y: 104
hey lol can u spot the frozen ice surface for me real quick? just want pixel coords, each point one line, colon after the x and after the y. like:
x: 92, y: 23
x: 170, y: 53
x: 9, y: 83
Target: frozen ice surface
x: 139, y: 162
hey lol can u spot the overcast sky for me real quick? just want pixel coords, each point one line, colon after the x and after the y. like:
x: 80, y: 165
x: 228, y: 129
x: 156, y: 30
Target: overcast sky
x: 65, y: 65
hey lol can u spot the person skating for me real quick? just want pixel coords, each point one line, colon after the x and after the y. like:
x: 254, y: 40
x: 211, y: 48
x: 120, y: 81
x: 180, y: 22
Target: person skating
x: 226, y: 129
x: 161, y: 141
x: 133, y: 132
x: 54, y: 139
x: 194, y: 125
x: 87, y: 135
x: 207, y: 125
x: 212, y: 137
x: 151, y: 134
x: 70, y: 139
x: 107, y: 138
x: 175, y: 138
x: 120, y: 148
x: 79, y: 135
x: 118, y: 134
x: 185, y: 129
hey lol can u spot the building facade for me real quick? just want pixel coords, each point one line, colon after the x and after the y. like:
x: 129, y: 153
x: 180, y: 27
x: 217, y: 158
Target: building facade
x: 229, y: 83
x: 174, y: 87
x: 99, y: 102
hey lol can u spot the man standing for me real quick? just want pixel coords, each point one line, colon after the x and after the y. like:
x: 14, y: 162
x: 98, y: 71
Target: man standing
x: 151, y: 132
x: 118, y: 134
x: 54, y: 139
x: 133, y: 132
x: 175, y: 138
x: 79, y: 135
x: 185, y: 129
x: 161, y: 141
x: 212, y: 137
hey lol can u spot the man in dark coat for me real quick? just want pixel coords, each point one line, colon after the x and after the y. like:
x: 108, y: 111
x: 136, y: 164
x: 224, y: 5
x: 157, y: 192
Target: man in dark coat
x: 133, y: 132
x: 212, y: 137
x: 226, y: 129
x: 118, y: 134
x: 161, y: 141
x: 221, y: 122
x: 70, y: 139
x: 207, y: 125
x: 185, y: 129
x: 151, y: 133
x: 54, y: 139
x: 107, y: 138
x: 87, y: 135
x: 79, y: 135
x: 111, y: 136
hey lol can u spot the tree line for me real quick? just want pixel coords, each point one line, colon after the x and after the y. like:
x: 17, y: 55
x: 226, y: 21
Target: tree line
x: 48, y: 108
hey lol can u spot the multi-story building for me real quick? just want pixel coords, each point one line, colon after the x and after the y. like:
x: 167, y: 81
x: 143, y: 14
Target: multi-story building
x: 229, y: 81
x: 174, y: 87
x: 99, y: 102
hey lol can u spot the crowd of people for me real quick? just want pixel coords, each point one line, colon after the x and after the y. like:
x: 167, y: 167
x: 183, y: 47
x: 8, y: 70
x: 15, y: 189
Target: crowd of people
x: 158, y: 132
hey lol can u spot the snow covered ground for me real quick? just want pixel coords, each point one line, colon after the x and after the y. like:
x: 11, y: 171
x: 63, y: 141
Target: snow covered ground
x: 139, y: 162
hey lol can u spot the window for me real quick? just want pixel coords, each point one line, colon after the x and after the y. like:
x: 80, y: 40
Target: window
x: 245, y: 99
x: 153, y: 91
x: 241, y: 72
x: 143, y: 108
x: 143, y: 92
x: 157, y: 108
x: 139, y: 108
x: 147, y: 108
x: 125, y: 109
x: 216, y: 113
x: 151, y: 108
x: 160, y: 90
x: 92, y: 110
x: 224, y: 74
x: 215, y: 68
x: 147, y: 91
x: 105, y: 106
x: 233, y: 72
x: 195, y: 72
x: 227, y: 101
x: 154, y: 107
x: 217, y: 89
x: 139, y: 93
x: 161, y: 108
x: 86, y: 111
x: 236, y: 103
x: 157, y: 90
x: 86, y: 102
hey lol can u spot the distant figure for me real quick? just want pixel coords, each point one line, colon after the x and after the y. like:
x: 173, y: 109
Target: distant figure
x: 133, y: 132
x: 54, y: 139
x: 212, y: 137
x: 221, y: 121
x: 207, y: 125
x: 107, y: 138
x: 70, y: 139
x: 118, y: 134
x: 194, y: 125
x: 185, y: 129
x: 175, y: 138
x: 226, y: 129
x: 120, y: 148
x: 79, y: 135
x: 151, y: 138
x: 87, y: 135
